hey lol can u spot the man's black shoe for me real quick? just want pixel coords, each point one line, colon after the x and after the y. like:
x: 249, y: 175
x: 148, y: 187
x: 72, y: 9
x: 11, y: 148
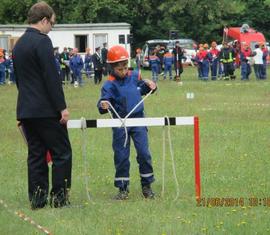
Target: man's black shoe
x: 39, y: 199
x: 38, y: 205
x: 60, y: 199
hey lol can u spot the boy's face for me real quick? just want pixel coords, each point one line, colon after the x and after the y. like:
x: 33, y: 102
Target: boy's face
x: 121, y: 69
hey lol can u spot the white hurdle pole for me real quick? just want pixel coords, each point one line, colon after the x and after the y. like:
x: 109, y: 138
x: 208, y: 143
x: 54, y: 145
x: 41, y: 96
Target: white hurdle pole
x: 157, y: 121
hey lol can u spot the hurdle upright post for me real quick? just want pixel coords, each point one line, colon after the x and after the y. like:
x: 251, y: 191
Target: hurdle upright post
x: 197, y: 158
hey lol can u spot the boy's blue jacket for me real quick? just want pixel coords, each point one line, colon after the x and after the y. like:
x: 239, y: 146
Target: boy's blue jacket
x: 124, y: 94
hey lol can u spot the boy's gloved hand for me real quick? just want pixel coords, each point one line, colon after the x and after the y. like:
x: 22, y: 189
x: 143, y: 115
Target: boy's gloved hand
x: 104, y: 104
x: 150, y: 84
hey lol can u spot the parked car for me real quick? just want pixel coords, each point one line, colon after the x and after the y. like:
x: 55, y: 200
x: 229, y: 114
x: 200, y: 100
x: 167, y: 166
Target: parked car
x: 187, y: 45
x: 148, y: 47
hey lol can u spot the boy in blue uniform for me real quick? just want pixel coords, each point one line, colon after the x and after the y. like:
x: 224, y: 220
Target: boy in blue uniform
x: 76, y: 65
x: 154, y: 62
x: 124, y: 90
x: 2, y: 68
x: 168, y: 62
x: 88, y: 63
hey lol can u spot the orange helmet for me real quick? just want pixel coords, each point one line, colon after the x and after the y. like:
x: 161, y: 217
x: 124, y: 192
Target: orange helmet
x: 117, y: 54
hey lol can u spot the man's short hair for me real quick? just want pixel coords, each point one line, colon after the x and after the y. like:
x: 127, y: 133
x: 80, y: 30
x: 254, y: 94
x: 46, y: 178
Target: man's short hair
x: 39, y: 11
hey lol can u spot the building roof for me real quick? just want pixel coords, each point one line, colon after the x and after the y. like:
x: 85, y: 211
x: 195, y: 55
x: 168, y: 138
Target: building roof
x: 73, y: 27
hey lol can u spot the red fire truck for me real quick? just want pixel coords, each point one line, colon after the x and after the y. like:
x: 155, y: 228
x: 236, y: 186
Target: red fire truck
x: 244, y: 35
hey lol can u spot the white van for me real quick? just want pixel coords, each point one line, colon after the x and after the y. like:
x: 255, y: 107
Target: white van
x: 148, y: 47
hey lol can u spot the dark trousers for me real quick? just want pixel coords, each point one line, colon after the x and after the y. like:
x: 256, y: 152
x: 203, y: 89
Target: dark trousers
x: 65, y: 73
x: 98, y: 76
x: 121, y: 156
x: 228, y: 70
x: 105, y: 69
x: 44, y: 134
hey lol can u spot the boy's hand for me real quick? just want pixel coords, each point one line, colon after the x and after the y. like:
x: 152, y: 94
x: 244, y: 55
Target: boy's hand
x: 104, y: 104
x: 150, y: 84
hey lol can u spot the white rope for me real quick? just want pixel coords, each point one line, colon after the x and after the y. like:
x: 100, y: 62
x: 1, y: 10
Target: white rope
x: 173, y: 161
x: 123, y: 120
x: 86, y: 178
x: 84, y: 126
x: 163, y: 162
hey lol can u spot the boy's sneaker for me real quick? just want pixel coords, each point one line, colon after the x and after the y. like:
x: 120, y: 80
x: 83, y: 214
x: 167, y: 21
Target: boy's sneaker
x: 148, y: 192
x: 121, y: 195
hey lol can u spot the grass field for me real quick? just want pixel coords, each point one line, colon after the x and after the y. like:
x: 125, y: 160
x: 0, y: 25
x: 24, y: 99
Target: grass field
x: 235, y: 149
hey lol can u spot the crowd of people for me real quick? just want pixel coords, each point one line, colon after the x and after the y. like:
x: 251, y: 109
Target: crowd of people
x: 162, y: 58
x: 214, y: 62
x: 221, y: 63
x: 70, y: 64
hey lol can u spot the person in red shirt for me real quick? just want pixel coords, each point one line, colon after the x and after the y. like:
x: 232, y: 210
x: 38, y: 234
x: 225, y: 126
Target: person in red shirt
x: 214, y: 52
x: 245, y: 55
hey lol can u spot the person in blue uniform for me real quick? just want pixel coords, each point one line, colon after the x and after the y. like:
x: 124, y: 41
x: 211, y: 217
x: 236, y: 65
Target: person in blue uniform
x: 245, y: 55
x: 154, y: 62
x: 88, y: 63
x: 168, y: 61
x: 76, y: 65
x: 2, y: 68
x: 123, y: 90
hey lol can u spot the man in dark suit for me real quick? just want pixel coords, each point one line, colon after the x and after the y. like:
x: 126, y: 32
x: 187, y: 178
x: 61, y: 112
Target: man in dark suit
x: 104, y: 52
x: 64, y: 61
x: 42, y: 111
x: 98, y: 66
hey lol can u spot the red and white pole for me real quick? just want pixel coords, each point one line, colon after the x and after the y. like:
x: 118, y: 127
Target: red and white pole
x: 197, y: 158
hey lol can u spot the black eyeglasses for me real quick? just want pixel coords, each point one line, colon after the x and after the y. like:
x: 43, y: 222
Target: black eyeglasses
x: 52, y: 23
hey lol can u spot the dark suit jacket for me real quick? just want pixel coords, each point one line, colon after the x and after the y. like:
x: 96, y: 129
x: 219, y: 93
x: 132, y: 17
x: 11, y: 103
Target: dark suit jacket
x: 97, y: 62
x: 40, y: 92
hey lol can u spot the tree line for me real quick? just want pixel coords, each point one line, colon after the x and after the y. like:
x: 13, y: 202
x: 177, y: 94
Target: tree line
x: 201, y: 20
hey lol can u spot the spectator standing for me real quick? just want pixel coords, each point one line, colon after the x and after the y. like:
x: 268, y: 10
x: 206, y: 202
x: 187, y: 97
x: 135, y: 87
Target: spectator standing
x: 168, y: 62
x: 98, y: 66
x: 245, y: 55
x: 64, y: 60
x: 2, y: 69
x: 76, y: 65
x: 227, y: 58
x: 155, y: 65
x: 214, y: 54
x: 104, y: 52
x: 178, y: 53
x: 258, y: 62
x: 88, y: 63
x: 265, y: 55
x: 57, y: 60
x: 42, y: 111
x: 12, y: 78
x: 138, y: 58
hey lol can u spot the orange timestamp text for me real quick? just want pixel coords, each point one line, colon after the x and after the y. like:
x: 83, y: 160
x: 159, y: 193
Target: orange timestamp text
x: 233, y: 202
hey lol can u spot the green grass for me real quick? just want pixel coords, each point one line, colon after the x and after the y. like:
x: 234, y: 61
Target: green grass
x: 235, y: 150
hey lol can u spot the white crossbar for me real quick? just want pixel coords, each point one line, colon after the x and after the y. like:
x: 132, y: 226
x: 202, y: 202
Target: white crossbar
x: 132, y: 122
